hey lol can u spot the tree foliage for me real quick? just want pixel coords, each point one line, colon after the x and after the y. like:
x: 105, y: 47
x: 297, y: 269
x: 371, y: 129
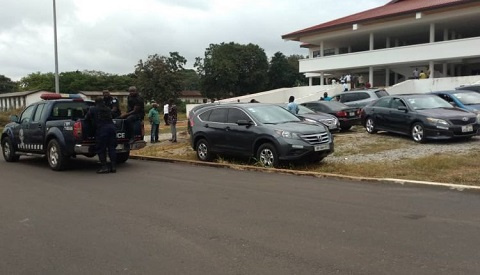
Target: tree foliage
x: 232, y: 70
x: 283, y: 72
x: 7, y: 85
x: 159, y: 77
x: 73, y: 82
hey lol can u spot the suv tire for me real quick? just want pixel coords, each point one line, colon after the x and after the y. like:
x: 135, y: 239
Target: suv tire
x: 56, y: 160
x: 8, y: 150
x: 267, y: 155
x: 203, y: 150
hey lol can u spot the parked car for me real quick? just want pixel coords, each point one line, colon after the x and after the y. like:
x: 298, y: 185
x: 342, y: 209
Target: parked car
x: 266, y: 132
x: 473, y: 87
x: 360, y: 98
x: 310, y: 115
x: 421, y: 116
x: 464, y: 99
x: 347, y: 116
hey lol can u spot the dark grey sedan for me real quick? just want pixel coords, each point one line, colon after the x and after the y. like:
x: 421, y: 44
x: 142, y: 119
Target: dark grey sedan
x: 421, y: 116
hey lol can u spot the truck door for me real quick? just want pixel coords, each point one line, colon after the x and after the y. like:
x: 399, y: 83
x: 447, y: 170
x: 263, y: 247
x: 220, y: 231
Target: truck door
x: 20, y: 132
x: 36, y: 130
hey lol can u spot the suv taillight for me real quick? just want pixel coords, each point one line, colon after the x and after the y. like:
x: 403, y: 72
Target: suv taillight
x: 77, y: 130
x: 191, y: 122
x: 341, y: 113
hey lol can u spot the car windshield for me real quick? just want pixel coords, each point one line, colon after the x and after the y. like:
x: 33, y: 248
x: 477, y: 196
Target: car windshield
x: 271, y: 114
x: 428, y: 102
x: 469, y: 98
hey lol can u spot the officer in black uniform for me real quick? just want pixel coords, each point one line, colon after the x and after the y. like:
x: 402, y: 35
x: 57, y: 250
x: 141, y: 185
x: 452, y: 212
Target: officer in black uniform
x: 135, y: 111
x: 112, y: 103
x: 105, y: 135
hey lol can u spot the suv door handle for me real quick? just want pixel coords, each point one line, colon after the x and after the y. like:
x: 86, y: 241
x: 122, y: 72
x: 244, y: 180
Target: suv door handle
x: 206, y: 125
x: 227, y: 128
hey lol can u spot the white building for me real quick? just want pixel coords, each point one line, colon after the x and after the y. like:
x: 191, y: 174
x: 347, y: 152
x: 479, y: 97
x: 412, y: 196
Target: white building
x: 386, y: 44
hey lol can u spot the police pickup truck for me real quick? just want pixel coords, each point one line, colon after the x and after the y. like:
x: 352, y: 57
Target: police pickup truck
x: 54, y: 128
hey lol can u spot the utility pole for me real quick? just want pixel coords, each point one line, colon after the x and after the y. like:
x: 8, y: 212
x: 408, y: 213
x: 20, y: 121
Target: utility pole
x: 57, y: 85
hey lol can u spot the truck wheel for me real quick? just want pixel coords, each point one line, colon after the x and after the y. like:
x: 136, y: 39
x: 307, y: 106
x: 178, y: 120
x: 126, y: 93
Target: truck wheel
x: 56, y: 160
x: 123, y: 157
x: 8, y: 150
x: 267, y: 155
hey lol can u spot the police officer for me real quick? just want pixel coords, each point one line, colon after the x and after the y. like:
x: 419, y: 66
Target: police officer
x: 105, y: 135
x: 135, y: 111
x: 112, y: 103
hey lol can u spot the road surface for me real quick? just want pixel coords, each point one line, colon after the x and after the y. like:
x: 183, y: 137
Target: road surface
x: 165, y: 218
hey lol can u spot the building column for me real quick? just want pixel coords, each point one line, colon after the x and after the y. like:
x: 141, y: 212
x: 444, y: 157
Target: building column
x: 370, y: 76
x: 321, y: 48
x: 431, y: 68
x: 372, y: 41
x: 387, y: 77
x: 310, y: 81
x: 444, y: 69
x: 387, y: 43
x: 395, y: 78
x: 445, y: 35
x: 452, y: 70
x: 432, y: 32
x: 322, y: 78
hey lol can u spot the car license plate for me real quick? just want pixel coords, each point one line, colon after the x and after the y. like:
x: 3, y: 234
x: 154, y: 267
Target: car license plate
x: 467, y: 128
x: 322, y: 147
x: 351, y: 114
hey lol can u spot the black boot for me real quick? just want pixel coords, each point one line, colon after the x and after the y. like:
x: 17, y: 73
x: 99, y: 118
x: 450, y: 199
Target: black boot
x: 113, y: 168
x: 103, y: 160
x: 103, y: 170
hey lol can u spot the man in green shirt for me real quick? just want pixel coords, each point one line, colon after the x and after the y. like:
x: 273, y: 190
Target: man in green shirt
x: 154, y: 118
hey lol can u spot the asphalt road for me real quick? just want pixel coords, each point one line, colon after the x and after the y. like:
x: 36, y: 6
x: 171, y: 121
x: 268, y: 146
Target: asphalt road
x: 163, y: 218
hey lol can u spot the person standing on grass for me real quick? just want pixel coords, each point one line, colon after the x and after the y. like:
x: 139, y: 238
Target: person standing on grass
x: 154, y: 118
x: 165, y: 113
x: 172, y: 119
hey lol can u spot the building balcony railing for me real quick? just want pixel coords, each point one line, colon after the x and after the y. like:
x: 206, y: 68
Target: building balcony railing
x: 437, y: 51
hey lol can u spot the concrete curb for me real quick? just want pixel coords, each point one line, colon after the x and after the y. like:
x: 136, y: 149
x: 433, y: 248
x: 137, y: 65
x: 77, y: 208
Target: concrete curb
x: 451, y: 186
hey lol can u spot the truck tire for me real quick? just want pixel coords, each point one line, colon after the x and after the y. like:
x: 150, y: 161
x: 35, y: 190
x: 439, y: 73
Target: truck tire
x: 55, y: 157
x: 123, y: 157
x: 8, y: 150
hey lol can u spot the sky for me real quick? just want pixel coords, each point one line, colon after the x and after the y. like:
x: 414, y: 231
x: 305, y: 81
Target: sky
x: 113, y: 35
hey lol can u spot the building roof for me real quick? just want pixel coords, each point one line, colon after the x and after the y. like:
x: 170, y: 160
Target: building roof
x: 24, y: 93
x: 392, y: 8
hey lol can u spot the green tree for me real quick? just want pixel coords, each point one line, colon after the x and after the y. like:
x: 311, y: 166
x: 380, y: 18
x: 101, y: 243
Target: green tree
x: 38, y: 81
x: 159, y: 77
x: 300, y: 79
x: 75, y: 81
x: 232, y: 70
x: 7, y: 85
x: 281, y: 74
x: 190, y: 80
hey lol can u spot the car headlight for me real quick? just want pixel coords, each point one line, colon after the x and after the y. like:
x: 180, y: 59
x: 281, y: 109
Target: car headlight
x: 440, y: 123
x: 478, y: 117
x: 287, y: 134
x: 310, y: 120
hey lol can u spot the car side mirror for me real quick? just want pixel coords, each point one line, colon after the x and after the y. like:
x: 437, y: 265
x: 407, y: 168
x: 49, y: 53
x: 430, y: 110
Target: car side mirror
x: 402, y: 108
x: 13, y: 118
x: 244, y: 122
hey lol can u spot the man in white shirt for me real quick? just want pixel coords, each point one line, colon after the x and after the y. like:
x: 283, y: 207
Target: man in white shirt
x: 165, y: 113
